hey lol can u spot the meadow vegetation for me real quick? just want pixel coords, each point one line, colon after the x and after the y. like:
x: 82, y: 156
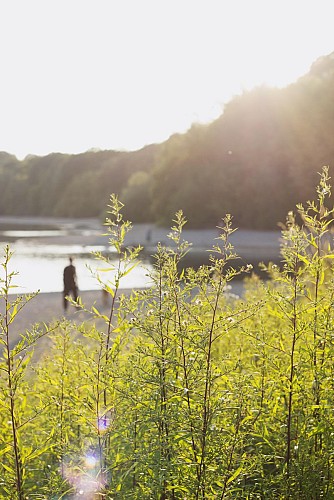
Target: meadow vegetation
x: 189, y: 392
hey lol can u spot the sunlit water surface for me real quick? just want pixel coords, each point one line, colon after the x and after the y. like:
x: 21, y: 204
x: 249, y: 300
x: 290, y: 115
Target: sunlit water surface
x: 40, y: 267
x: 40, y: 255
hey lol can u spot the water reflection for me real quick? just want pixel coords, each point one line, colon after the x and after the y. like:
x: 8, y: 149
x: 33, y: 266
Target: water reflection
x: 30, y: 233
x: 45, y: 273
x: 42, y: 252
x: 40, y: 267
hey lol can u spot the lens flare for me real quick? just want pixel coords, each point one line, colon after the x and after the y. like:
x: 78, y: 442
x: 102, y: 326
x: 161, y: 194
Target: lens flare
x: 90, y: 461
x: 104, y: 421
x: 84, y: 475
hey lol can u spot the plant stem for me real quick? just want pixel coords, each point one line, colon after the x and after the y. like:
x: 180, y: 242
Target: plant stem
x: 206, y: 398
x: 11, y: 388
x: 291, y: 376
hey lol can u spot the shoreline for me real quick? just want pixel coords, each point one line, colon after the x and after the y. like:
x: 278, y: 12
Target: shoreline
x: 251, y: 246
x: 91, y: 231
x: 47, y: 308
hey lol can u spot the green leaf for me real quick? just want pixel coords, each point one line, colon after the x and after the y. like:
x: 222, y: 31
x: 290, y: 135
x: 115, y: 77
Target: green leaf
x: 5, y: 450
x: 7, y: 468
x: 127, y: 271
x: 246, y: 419
x: 39, y: 452
x: 303, y: 259
x: 234, y: 476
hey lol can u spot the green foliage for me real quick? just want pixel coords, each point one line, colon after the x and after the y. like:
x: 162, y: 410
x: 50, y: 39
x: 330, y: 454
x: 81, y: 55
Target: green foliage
x: 137, y: 197
x: 255, y: 161
x: 67, y: 185
x: 19, y: 401
x: 189, y: 392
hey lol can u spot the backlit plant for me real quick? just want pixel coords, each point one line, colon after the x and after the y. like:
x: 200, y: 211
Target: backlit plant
x: 182, y: 390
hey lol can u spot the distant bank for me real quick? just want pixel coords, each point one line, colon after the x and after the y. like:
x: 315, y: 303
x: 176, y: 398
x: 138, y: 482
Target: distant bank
x: 250, y: 245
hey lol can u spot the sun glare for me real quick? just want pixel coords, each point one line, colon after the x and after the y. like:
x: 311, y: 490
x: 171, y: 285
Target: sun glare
x: 126, y: 74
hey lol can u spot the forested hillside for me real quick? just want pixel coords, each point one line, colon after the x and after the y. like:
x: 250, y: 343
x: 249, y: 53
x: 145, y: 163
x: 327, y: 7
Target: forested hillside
x: 69, y: 185
x: 255, y: 161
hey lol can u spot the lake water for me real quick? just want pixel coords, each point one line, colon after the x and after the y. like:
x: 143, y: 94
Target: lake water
x: 42, y: 246
x: 39, y: 257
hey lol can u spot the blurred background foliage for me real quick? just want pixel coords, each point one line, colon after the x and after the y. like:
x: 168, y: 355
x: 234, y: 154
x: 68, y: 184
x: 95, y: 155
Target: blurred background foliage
x: 256, y: 161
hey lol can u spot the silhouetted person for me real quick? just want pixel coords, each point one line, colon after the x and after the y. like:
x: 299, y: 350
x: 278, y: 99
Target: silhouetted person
x: 70, y: 283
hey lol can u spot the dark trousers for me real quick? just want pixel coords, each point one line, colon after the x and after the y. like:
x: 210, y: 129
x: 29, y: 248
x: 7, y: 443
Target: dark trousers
x: 69, y: 291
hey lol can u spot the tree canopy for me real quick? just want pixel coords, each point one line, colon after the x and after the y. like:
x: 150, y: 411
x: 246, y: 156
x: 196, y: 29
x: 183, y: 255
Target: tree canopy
x: 255, y: 161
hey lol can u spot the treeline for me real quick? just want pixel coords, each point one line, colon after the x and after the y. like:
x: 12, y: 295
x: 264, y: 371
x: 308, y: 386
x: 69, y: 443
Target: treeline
x: 255, y: 161
x: 68, y: 185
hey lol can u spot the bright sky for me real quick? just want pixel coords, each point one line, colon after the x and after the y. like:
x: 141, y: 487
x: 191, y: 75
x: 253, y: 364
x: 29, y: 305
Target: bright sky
x: 119, y: 74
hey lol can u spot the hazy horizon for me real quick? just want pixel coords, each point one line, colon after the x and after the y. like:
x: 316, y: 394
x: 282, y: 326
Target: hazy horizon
x: 114, y: 75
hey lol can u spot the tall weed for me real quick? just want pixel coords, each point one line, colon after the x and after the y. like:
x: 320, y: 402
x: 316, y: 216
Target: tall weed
x: 187, y: 392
